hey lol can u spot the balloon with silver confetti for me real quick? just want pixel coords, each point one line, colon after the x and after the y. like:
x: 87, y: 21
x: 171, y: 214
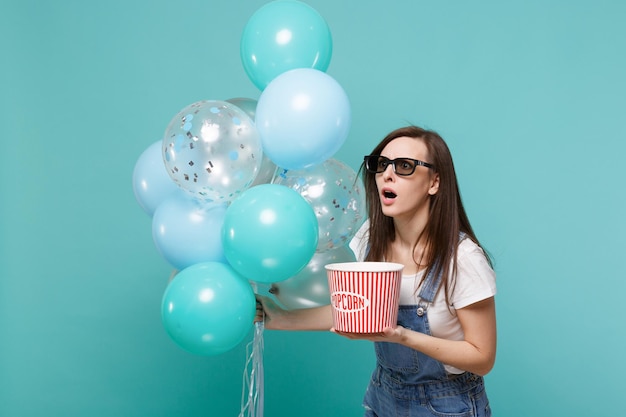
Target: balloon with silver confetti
x: 337, y: 196
x: 212, y: 150
x: 268, y: 168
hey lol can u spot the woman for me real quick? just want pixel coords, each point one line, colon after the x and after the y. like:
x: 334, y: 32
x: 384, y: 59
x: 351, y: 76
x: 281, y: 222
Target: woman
x: 432, y: 362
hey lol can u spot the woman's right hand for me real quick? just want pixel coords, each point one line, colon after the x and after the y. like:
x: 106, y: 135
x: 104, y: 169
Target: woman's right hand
x: 268, y: 312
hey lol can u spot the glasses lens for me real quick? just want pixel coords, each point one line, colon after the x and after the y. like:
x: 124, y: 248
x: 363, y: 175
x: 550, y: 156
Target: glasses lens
x: 404, y: 166
x: 375, y: 163
x: 381, y: 163
x: 378, y: 164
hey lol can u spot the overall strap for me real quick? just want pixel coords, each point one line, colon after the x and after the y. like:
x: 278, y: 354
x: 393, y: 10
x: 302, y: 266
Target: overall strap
x: 430, y: 285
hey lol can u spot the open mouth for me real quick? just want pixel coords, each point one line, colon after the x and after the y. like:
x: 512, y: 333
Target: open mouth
x: 389, y: 194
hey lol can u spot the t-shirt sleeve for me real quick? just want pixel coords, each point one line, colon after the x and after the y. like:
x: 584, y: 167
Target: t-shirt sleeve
x: 475, y: 280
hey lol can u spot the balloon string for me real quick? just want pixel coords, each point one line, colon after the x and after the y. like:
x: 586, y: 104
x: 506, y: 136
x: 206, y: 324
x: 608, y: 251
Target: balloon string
x: 278, y: 172
x: 252, y: 403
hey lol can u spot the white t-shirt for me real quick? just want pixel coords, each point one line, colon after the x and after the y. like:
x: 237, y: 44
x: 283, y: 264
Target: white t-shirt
x: 475, y: 281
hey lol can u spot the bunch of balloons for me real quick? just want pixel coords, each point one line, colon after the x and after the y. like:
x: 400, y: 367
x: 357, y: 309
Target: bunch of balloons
x: 245, y: 192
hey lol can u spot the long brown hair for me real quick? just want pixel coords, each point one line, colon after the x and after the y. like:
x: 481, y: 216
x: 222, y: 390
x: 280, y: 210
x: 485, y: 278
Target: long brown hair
x: 447, y: 216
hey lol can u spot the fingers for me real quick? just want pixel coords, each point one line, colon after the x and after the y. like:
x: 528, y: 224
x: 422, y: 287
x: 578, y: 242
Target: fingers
x: 388, y: 332
x: 260, y: 313
x: 263, y: 300
x: 373, y: 337
x: 268, y: 304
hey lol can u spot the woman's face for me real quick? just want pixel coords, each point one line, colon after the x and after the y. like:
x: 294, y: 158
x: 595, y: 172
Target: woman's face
x: 406, y: 196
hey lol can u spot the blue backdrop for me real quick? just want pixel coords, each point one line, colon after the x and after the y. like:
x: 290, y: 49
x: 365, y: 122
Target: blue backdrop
x: 530, y: 96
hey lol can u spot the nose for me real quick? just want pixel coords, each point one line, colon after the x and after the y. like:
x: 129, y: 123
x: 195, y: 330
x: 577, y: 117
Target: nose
x: 389, y: 172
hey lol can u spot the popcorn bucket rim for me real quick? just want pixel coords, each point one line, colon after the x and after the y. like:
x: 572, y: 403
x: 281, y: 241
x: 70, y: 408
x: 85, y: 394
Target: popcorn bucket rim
x: 374, y: 267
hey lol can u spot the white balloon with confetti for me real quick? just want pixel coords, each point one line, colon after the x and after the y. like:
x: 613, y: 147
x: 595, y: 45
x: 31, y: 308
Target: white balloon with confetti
x: 335, y: 193
x: 212, y: 150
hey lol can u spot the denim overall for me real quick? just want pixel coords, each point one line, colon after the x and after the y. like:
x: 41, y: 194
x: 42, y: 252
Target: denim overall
x: 408, y: 383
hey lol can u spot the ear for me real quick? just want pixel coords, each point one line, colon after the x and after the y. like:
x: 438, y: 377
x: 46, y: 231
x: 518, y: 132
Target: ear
x: 434, y: 184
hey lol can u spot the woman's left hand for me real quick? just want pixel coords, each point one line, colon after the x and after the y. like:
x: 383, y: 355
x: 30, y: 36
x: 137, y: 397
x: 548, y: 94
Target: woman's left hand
x: 389, y: 334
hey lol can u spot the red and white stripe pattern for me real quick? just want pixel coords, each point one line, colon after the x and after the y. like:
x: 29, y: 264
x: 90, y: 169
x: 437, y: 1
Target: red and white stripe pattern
x: 364, y: 295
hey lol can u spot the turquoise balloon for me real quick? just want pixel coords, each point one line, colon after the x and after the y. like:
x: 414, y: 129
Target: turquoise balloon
x: 303, y: 117
x: 284, y: 35
x: 270, y: 233
x: 208, y: 308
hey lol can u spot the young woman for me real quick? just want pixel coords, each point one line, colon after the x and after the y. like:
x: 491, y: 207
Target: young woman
x: 432, y: 362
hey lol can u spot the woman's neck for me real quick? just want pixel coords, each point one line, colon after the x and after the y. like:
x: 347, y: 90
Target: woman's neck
x: 404, y: 250
x: 410, y: 229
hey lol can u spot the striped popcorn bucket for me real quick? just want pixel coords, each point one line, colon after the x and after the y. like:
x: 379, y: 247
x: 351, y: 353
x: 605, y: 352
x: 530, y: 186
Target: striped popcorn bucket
x: 364, y: 295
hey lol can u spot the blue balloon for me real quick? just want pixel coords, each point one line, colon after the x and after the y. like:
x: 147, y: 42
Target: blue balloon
x: 270, y: 233
x: 303, y: 118
x: 187, y: 232
x: 208, y: 308
x: 284, y: 35
x: 151, y: 182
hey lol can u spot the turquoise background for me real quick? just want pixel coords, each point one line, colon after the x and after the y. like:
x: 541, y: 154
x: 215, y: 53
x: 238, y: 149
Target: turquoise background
x: 529, y: 94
